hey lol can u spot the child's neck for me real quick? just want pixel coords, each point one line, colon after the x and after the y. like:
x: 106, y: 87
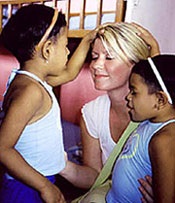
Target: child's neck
x: 164, y: 116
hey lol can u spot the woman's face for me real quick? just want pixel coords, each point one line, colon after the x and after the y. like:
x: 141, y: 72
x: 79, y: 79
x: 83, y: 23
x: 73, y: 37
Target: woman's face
x: 108, y: 72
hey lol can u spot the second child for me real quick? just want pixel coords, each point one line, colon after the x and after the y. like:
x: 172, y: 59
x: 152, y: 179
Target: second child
x: 151, y: 147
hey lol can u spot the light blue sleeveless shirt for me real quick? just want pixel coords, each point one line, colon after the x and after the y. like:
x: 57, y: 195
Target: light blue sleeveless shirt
x: 132, y: 164
x: 41, y: 143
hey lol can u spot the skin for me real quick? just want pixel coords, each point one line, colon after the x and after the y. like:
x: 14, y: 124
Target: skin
x: 149, y: 40
x: 22, y: 108
x: 117, y: 86
x: 147, y: 193
x: 111, y: 75
x: 106, y: 73
x: 161, y: 147
x: 146, y: 182
x: 70, y: 73
x: 27, y: 101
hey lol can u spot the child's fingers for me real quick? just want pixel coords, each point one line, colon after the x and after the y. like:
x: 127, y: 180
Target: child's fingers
x: 146, y: 197
x: 146, y: 189
x: 149, y: 179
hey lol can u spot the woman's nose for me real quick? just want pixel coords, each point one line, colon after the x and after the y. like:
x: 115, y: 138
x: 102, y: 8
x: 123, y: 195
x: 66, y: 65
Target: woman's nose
x: 99, y: 64
x: 98, y: 67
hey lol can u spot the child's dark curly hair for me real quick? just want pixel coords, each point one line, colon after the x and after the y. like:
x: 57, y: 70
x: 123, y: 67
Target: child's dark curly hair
x: 26, y: 27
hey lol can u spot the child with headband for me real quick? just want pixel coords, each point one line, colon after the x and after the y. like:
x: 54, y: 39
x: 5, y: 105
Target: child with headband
x: 151, y: 147
x: 31, y: 143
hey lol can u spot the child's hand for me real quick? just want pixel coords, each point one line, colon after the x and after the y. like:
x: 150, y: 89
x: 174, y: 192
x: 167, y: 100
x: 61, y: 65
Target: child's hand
x: 88, y: 38
x: 51, y: 194
x: 146, y: 190
x: 149, y: 40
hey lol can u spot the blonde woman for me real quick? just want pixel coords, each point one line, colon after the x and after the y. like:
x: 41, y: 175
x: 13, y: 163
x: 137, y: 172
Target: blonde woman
x: 115, y: 50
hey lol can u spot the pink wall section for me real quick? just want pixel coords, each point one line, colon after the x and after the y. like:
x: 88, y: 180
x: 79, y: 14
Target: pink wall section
x: 7, y: 63
x: 75, y: 94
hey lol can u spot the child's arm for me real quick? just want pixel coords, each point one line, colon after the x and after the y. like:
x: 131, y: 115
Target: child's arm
x: 19, y: 111
x: 162, y: 155
x: 76, y: 62
x: 149, y: 40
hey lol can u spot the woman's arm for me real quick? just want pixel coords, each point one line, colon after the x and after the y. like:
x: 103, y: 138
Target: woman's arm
x: 92, y: 155
x: 79, y: 175
x: 92, y: 162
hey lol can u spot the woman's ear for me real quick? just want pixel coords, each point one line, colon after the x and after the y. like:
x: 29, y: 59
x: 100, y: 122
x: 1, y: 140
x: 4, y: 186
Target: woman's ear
x: 46, y: 50
x: 162, y: 99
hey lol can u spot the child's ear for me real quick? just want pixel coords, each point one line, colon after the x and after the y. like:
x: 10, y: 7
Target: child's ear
x: 46, y: 49
x: 162, y: 98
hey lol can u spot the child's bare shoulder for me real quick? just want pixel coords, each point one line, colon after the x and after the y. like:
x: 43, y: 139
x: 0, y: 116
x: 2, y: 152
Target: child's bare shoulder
x: 164, y: 139
x: 26, y: 87
x: 22, y: 92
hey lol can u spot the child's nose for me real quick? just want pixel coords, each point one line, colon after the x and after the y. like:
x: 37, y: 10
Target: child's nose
x: 128, y: 97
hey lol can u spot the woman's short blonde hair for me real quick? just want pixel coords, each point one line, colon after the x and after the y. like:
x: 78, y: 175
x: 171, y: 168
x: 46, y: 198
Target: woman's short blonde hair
x: 122, y: 39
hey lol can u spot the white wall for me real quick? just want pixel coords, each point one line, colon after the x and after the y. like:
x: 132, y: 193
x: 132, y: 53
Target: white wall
x: 158, y: 16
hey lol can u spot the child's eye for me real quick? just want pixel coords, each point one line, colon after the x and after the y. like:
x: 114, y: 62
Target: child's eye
x: 132, y: 92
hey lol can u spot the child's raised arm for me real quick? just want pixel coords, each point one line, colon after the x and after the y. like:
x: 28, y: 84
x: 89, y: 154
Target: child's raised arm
x: 149, y: 40
x: 76, y: 62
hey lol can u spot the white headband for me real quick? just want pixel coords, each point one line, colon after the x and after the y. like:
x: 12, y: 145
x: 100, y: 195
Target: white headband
x: 159, y: 78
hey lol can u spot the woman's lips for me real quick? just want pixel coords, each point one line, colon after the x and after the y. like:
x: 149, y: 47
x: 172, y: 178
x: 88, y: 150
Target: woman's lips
x: 99, y: 76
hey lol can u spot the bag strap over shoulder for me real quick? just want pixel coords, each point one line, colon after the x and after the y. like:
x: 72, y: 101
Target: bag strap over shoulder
x: 107, y: 168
